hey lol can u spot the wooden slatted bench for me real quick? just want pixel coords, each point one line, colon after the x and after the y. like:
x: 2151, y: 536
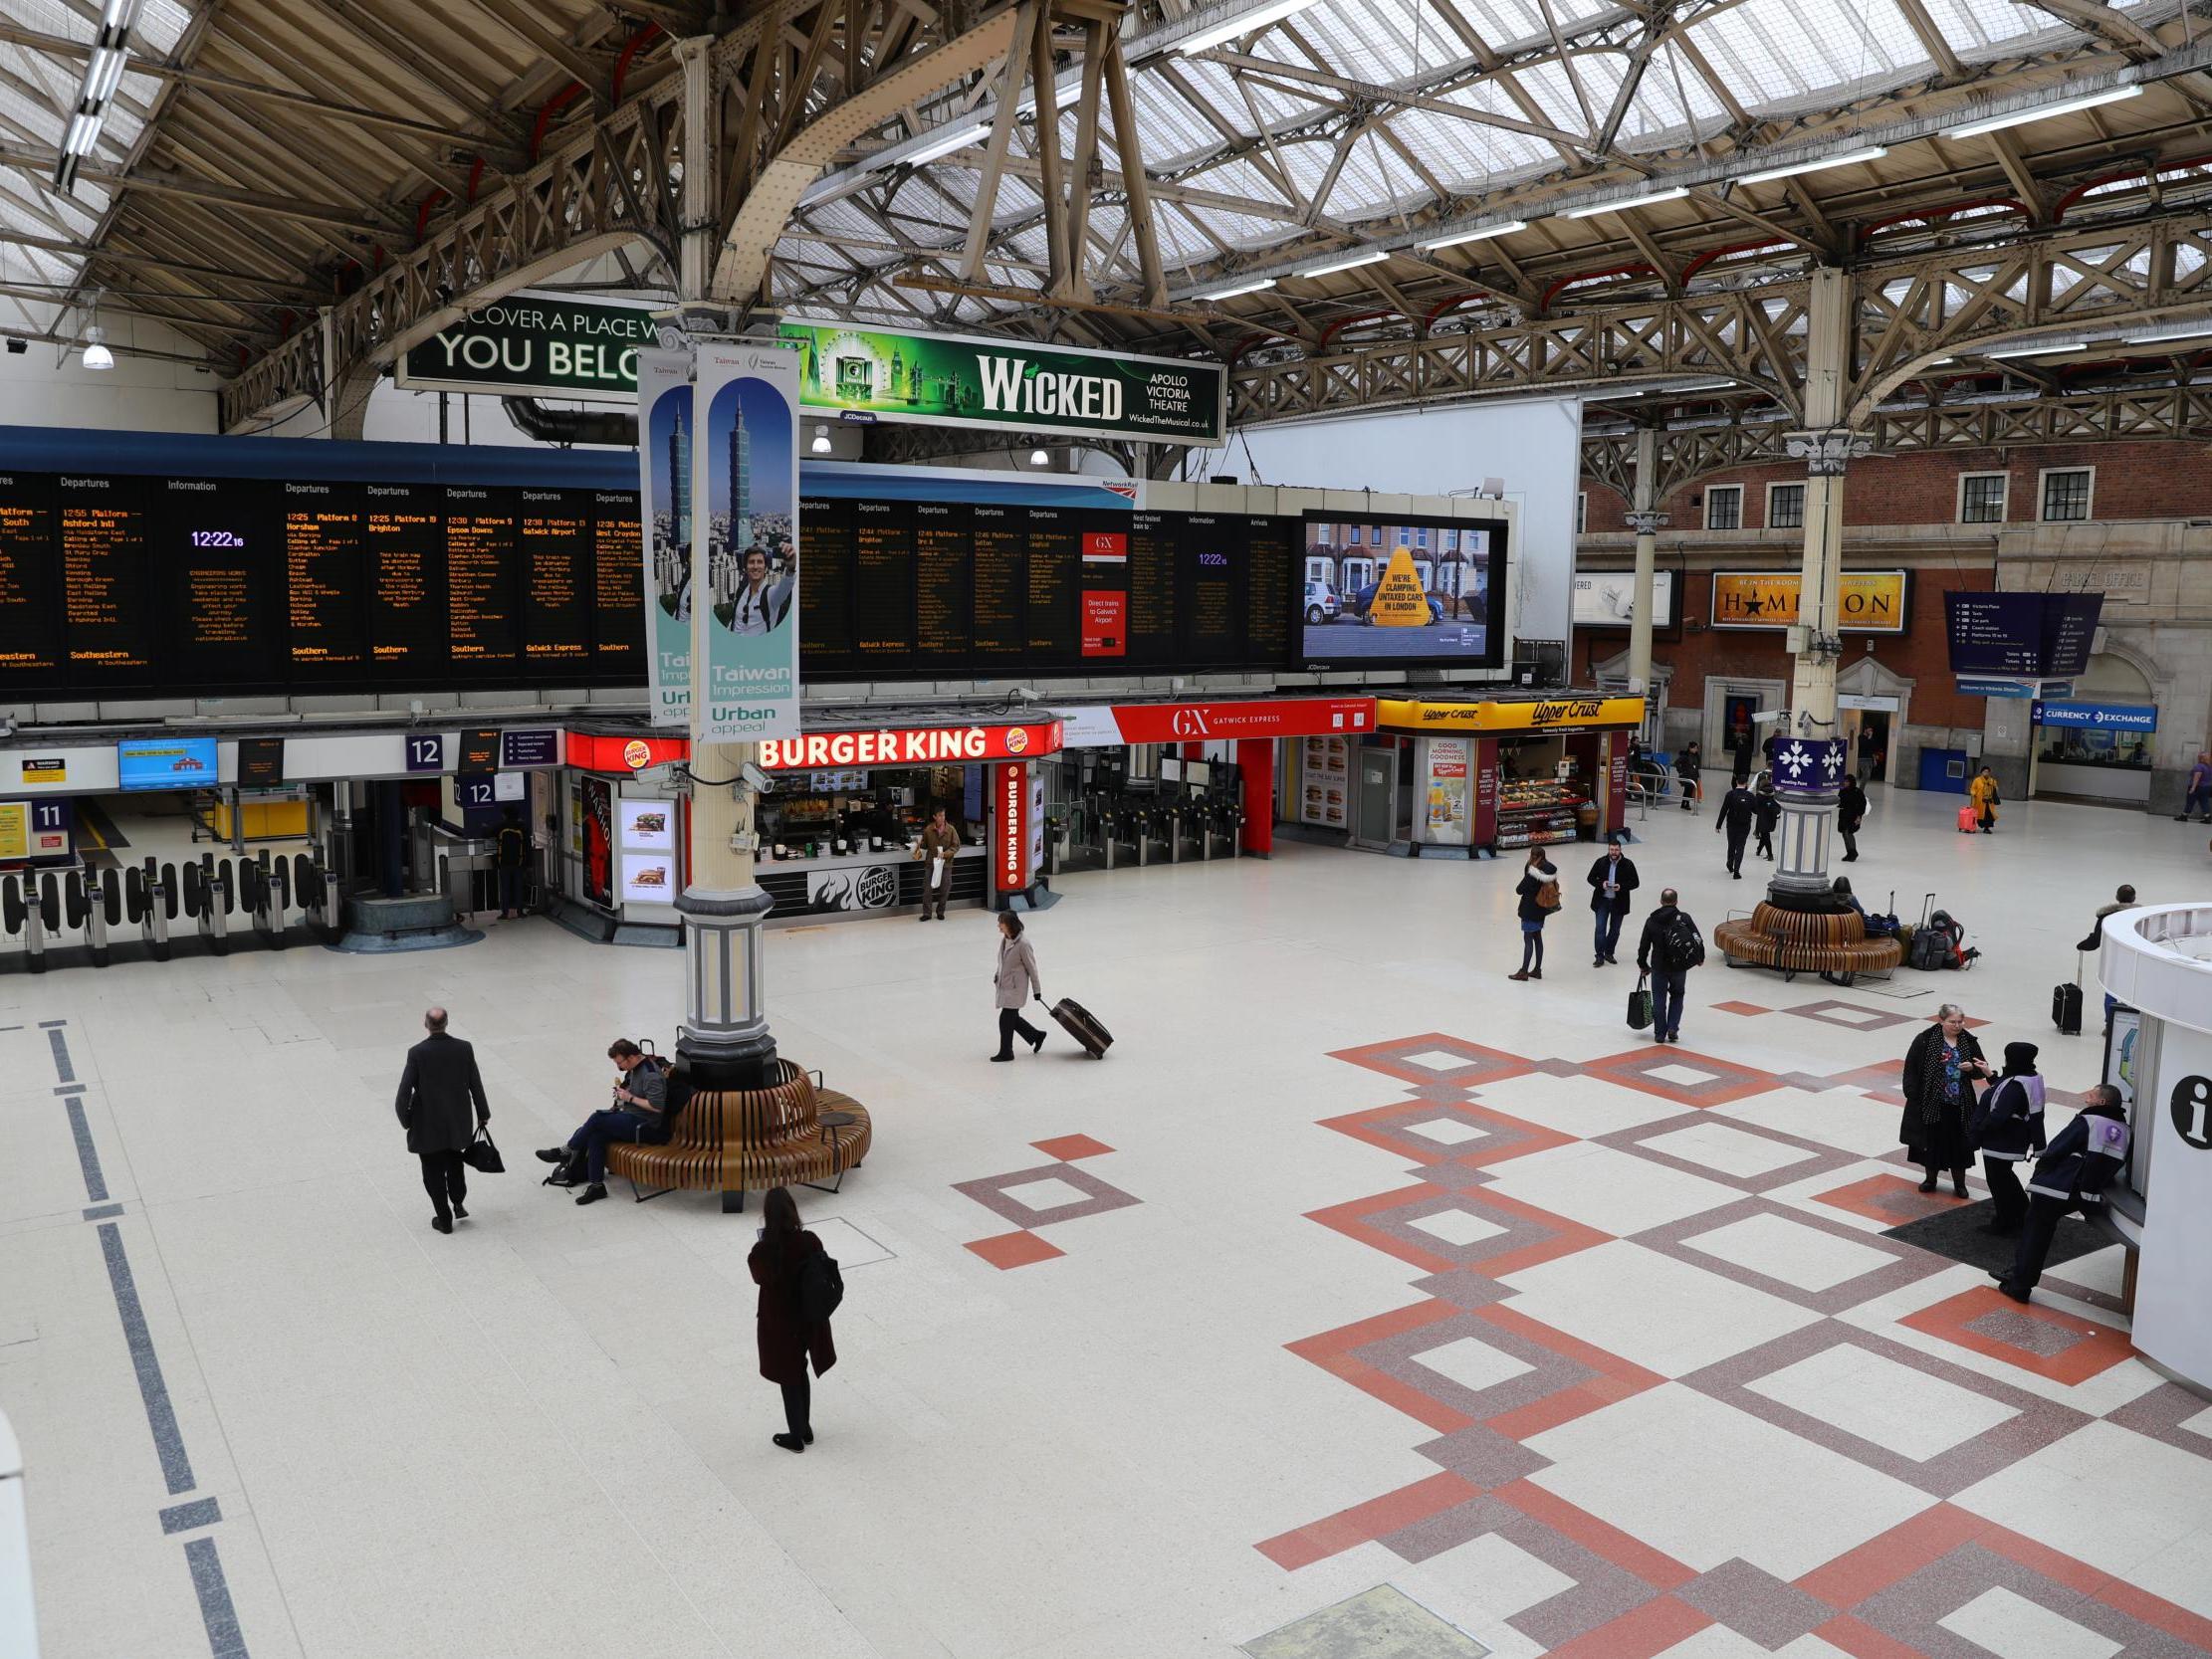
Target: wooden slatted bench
x: 1801, y: 941
x: 790, y: 1133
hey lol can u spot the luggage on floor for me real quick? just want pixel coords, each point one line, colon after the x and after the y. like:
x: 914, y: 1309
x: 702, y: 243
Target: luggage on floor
x: 1931, y: 950
x: 2066, y: 1008
x: 1968, y: 820
x: 1884, y: 923
x: 1078, y: 1022
x: 1640, y: 1006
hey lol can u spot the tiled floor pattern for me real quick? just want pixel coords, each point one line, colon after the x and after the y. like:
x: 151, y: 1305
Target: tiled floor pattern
x: 1041, y: 1197
x: 1645, y: 1349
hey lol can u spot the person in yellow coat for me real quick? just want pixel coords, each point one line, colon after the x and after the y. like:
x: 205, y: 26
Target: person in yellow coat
x: 1983, y: 790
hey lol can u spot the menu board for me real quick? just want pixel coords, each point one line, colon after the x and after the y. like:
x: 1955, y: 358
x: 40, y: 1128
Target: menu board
x: 211, y: 585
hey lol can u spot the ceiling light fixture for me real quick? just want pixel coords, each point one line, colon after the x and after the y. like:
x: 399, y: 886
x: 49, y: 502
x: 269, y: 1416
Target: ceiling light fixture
x: 1348, y: 262
x: 2036, y: 351
x: 1765, y: 175
x: 1483, y: 235
x: 821, y: 444
x: 1038, y: 458
x: 103, y: 75
x: 1627, y: 202
x: 2043, y: 112
x: 96, y: 354
x: 1234, y: 289
x: 944, y: 143
x: 1245, y: 23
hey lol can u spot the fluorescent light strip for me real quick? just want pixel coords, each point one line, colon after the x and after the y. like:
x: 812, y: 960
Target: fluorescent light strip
x: 1872, y: 152
x: 1239, y: 288
x: 84, y: 132
x: 2044, y: 112
x: 2035, y: 351
x: 959, y: 138
x: 1349, y: 263
x: 106, y: 72
x: 1621, y: 206
x: 1483, y: 235
x: 1260, y: 17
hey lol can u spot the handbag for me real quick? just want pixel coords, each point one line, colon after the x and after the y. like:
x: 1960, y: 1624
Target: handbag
x: 482, y: 1156
x: 1640, y: 1006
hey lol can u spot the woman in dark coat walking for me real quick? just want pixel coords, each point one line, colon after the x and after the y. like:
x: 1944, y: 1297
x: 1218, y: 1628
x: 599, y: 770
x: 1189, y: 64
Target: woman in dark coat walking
x: 1536, y: 875
x: 1940, y: 1068
x: 787, y: 1341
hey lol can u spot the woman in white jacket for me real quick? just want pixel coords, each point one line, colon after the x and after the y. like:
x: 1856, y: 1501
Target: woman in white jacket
x: 1016, y: 981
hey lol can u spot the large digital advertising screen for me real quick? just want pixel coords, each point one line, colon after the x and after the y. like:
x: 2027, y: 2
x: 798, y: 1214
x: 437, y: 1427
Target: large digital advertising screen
x: 1385, y: 591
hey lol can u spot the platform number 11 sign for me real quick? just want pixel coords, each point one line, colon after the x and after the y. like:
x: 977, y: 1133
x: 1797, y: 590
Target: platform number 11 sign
x: 426, y: 752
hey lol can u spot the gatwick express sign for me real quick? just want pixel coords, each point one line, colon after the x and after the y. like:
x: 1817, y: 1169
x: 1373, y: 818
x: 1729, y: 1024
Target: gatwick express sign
x: 538, y: 346
x: 957, y: 380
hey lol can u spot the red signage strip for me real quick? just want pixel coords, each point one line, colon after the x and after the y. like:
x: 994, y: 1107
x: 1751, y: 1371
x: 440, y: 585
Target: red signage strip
x: 1099, y: 726
x: 591, y: 752
x: 1009, y: 828
x: 924, y: 746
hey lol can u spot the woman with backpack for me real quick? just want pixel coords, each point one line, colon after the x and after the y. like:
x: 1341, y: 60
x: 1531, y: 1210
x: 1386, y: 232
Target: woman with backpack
x: 795, y: 1275
x: 2009, y: 1128
x: 1940, y: 1068
x: 1539, y: 894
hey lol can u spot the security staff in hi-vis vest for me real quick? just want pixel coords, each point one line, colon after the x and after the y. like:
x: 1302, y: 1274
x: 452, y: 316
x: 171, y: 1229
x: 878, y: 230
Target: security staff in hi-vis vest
x: 1400, y: 601
x: 940, y: 841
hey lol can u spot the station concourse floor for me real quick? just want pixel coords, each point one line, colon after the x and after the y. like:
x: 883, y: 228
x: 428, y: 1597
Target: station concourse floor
x: 1357, y: 1290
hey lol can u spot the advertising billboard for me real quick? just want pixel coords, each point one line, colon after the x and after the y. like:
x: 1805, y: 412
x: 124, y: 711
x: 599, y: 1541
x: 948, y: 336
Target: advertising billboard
x: 1394, y: 591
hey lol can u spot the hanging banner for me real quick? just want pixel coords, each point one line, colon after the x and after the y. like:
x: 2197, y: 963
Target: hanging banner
x: 665, y: 425
x: 744, y: 543
x: 957, y: 380
x: 536, y: 344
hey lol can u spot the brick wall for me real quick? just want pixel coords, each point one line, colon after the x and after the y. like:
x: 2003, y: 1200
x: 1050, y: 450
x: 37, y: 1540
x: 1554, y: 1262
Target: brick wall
x: 2162, y: 480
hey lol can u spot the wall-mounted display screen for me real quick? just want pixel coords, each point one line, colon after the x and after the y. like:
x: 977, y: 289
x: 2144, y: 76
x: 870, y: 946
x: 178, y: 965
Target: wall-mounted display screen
x: 960, y: 590
x: 116, y: 584
x: 1607, y: 599
x: 1383, y: 591
x: 166, y: 763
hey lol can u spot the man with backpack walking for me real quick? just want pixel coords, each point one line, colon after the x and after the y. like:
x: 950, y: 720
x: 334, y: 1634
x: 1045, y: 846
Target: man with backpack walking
x: 640, y: 1113
x: 1739, y: 810
x: 1670, y: 946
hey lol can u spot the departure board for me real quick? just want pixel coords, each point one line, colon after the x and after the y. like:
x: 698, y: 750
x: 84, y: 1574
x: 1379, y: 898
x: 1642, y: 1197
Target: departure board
x: 882, y: 580
x: 212, y: 541
x: 30, y: 618
x: 1151, y: 544
x: 825, y: 579
x: 554, y: 538
x: 1056, y: 545
x: 999, y: 540
x: 483, y: 597
x: 944, y: 601
x: 403, y: 528
x: 1210, y: 588
x: 1270, y: 555
x: 326, y: 562
x: 617, y: 590
x: 111, y: 611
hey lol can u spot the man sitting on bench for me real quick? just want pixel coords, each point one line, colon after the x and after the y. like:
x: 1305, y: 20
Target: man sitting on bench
x: 640, y: 1113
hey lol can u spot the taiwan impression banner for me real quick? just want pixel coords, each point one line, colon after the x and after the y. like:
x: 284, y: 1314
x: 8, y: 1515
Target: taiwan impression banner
x: 744, y: 543
x: 666, y: 426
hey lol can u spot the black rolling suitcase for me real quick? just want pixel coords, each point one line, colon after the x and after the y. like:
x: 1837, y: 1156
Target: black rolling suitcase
x: 2066, y: 1004
x: 1077, y: 1022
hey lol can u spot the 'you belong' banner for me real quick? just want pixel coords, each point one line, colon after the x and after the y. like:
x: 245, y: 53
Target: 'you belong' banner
x: 745, y: 542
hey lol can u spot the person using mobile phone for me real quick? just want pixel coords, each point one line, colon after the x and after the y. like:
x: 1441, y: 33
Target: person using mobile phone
x: 637, y: 1111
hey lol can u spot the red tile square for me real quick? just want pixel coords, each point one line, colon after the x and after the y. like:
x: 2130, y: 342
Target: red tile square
x: 1016, y: 1249
x: 2095, y: 1348
x: 1069, y: 1147
x: 1740, y: 1008
x: 1892, y: 1201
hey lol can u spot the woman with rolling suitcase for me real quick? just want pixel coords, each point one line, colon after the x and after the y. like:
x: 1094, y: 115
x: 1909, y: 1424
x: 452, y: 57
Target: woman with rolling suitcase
x: 1016, y: 981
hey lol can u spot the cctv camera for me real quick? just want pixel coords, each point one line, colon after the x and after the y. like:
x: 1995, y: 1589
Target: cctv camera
x: 756, y: 780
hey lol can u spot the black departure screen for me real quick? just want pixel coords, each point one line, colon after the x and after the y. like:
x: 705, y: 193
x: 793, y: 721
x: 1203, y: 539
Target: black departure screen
x: 556, y: 575
x: 31, y: 645
x: 215, y: 548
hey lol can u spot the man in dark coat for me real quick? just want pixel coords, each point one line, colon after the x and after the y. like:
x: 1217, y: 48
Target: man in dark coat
x: 1769, y: 807
x: 437, y: 1093
x: 1739, y: 810
x: 1612, y: 879
x: 1851, y: 811
x: 2071, y: 1176
x: 1668, y: 949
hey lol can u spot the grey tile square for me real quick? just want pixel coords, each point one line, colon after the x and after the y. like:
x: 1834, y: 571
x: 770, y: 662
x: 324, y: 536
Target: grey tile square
x: 1381, y: 1623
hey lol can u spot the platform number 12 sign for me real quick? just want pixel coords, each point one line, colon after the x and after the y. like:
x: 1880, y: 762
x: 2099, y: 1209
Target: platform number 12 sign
x: 427, y: 754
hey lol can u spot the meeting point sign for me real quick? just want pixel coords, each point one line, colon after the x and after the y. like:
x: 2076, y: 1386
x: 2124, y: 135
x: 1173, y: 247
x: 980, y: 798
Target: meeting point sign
x: 531, y: 344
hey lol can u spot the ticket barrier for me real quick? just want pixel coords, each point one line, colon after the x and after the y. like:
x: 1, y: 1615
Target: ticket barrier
x: 1149, y: 822
x: 1115, y: 820
x: 92, y: 903
x: 210, y: 896
x: 149, y: 897
x: 266, y: 888
x: 31, y: 907
x: 1221, y: 819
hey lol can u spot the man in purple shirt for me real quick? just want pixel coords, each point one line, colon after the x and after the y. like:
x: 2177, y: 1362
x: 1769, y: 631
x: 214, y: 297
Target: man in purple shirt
x: 2199, y: 798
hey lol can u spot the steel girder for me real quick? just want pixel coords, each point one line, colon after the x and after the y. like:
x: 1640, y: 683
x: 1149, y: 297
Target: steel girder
x: 786, y: 86
x: 2134, y: 415
x: 1907, y: 316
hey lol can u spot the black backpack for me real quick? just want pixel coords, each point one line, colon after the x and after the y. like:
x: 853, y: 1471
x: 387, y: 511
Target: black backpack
x: 1685, y: 945
x: 820, y: 1287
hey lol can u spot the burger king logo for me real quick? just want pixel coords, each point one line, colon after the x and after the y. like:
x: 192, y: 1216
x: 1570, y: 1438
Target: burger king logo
x: 637, y: 754
x: 1018, y: 740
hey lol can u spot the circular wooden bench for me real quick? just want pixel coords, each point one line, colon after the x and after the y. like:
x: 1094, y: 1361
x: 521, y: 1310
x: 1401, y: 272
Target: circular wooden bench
x: 733, y: 1141
x: 1804, y: 942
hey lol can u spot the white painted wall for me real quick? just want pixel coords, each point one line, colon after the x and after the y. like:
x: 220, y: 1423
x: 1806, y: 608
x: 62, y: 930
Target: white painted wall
x: 42, y: 388
x: 1535, y: 446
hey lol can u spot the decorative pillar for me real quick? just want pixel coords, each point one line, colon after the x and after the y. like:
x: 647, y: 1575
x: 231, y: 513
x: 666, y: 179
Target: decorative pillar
x: 1807, y: 753
x: 1646, y: 523
x: 724, y: 1040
